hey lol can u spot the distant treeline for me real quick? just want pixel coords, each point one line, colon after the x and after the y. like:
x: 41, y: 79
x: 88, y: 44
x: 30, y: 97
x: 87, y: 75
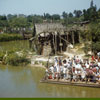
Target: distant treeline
x: 22, y: 23
x: 14, y: 23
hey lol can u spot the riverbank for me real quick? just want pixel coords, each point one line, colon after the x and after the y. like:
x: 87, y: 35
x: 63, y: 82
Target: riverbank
x: 13, y: 49
x: 42, y: 60
x: 14, y: 52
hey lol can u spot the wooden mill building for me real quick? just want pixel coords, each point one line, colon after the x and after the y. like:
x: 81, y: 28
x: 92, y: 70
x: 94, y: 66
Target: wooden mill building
x: 52, y: 38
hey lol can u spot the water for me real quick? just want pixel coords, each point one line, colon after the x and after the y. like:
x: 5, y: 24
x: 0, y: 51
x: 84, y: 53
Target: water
x: 25, y: 81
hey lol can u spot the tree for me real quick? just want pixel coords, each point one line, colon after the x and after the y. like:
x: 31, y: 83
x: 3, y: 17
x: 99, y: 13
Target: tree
x: 91, y: 4
x: 90, y: 14
x: 70, y: 14
x: 77, y: 13
x: 98, y: 14
x: 3, y: 18
x: 34, y: 31
x: 56, y: 17
x: 18, y: 22
x: 64, y: 15
x: 96, y: 47
x: 10, y: 16
x: 47, y: 16
x: 30, y: 18
x: 37, y: 19
x: 3, y: 21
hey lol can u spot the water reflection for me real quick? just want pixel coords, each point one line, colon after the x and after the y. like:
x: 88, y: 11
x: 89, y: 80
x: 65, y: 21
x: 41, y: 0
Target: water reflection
x: 25, y: 82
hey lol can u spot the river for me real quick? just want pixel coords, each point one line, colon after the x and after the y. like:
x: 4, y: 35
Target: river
x: 25, y: 82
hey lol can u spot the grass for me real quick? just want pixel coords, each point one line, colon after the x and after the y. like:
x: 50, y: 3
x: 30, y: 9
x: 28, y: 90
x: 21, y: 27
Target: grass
x: 10, y: 37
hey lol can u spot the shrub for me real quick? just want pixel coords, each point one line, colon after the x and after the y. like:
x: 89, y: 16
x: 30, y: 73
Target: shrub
x: 87, y: 48
x: 36, y: 62
x: 96, y: 47
x: 1, y: 55
x: 44, y: 63
x: 15, y: 60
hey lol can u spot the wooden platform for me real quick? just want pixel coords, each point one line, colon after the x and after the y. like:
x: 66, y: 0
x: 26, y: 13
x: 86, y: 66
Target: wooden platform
x: 82, y: 84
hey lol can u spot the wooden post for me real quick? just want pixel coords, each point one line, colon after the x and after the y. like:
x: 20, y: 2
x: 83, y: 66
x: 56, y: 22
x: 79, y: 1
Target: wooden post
x: 73, y: 38
x: 54, y: 42
x: 60, y: 46
x: 79, y: 37
x: 67, y: 43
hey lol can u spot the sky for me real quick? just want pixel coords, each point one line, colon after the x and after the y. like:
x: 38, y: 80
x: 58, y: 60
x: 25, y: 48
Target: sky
x: 40, y: 7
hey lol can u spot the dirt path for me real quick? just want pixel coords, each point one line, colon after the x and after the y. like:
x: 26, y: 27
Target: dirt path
x: 77, y: 51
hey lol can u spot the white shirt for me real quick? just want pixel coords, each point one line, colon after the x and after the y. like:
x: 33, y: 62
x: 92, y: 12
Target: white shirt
x: 83, y: 74
x: 76, y: 66
x: 68, y: 65
x: 58, y: 68
x: 87, y: 65
x: 61, y: 68
x: 52, y: 69
x: 65, y: 65
x: 98, y: 53
x: 55, y: 63
x: 79, y: 66
x: 99, y: 64
x: 64, y: 71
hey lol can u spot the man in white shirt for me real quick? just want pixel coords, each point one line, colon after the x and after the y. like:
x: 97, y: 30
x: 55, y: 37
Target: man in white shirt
x: 87, y: 65
x: 98, y: 55
x: 51, y: 68
x: 64, y: 72
x: 52, y: 71
x: 99, y: 64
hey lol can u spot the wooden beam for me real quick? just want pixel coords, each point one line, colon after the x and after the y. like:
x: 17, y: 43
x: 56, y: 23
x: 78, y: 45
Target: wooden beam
x: 64, y: 40
x: 55, y: 43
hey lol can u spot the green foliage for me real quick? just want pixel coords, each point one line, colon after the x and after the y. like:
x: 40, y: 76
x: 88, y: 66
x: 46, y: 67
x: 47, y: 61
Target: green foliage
x: 44, y: 63
x: 90, y: 14
x: 15, y: 60
x: 96, y: 47
x: 10, y: 37
x: 1, y: 55
x: 47, y: 16
x: 56, y: 17
x: 18, y: 22
x: 12, y: 53
x: 77, y: 13
x: 36, y: 62
x: 87, y: 48
x: 64, y: 15
x: 70, y: 14
x: 91, y: 4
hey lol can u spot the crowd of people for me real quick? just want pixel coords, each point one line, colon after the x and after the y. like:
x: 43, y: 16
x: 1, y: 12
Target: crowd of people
x: 75, y: 69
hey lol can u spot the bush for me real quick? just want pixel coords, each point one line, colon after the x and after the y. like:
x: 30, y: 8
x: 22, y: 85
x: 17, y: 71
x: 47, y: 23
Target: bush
x: 44, y: 63
x: 36, y: 62
x: 96, y: 47
x: 87, y: 48
x: 15, y: 60
x: 1, y: 55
